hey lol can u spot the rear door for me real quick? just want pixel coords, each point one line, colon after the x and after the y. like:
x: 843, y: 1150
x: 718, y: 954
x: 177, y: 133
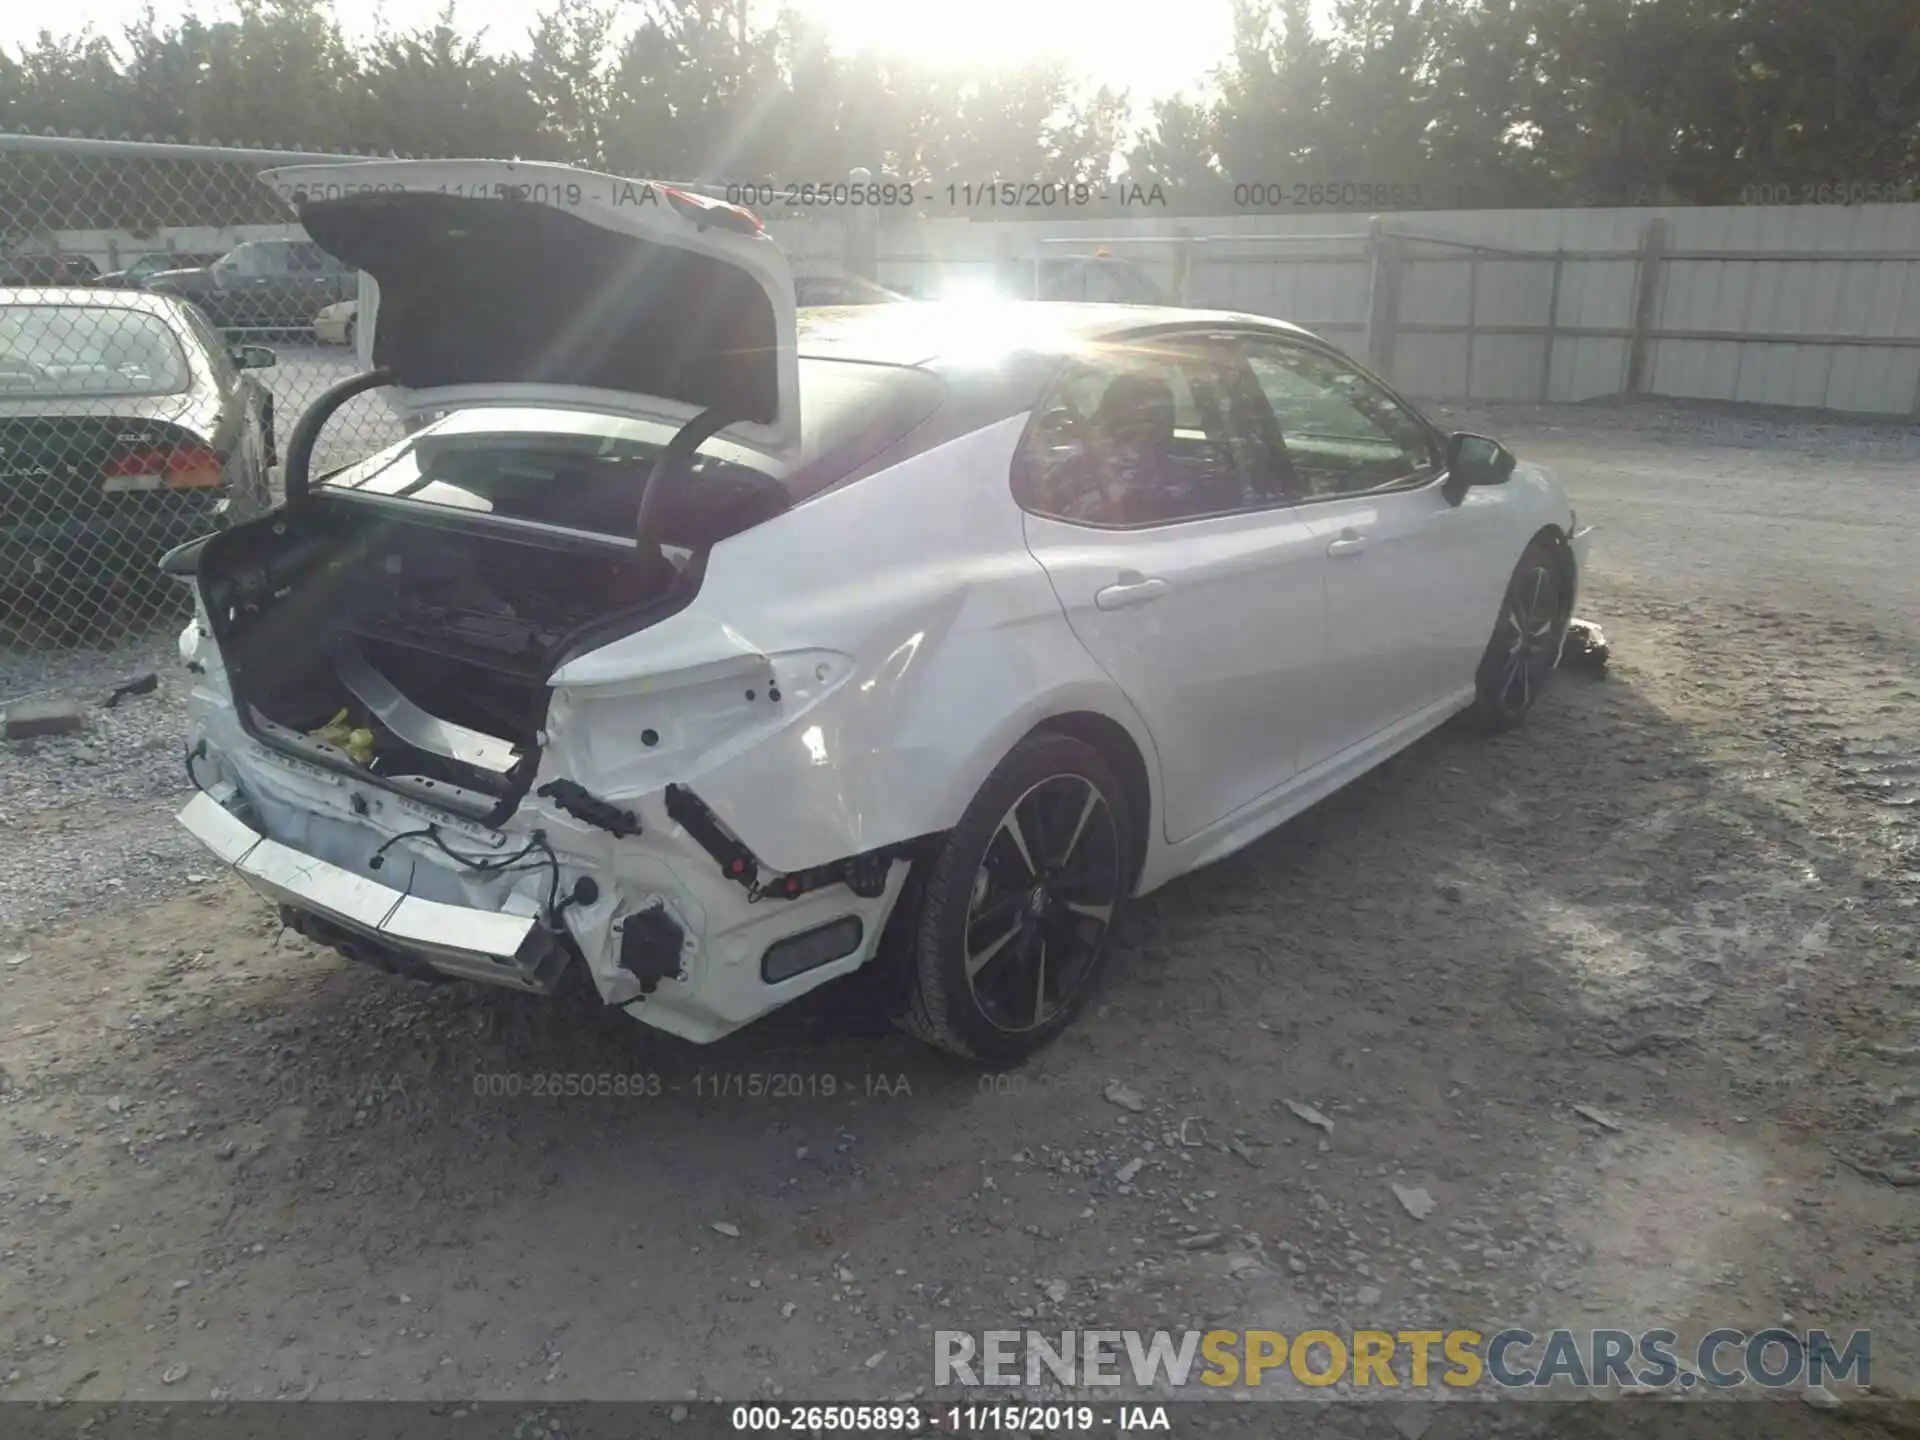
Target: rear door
x: 1199, y: 597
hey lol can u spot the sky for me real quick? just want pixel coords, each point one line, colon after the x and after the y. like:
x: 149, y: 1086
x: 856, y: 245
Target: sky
x: 1130, y: 44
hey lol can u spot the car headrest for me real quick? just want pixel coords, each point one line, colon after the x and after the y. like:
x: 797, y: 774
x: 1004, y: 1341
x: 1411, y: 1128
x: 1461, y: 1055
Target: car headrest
x: 1136, y: 408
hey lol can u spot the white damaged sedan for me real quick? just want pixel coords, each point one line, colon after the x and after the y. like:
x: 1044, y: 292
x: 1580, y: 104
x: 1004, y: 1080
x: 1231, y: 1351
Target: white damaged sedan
x: 720, y: 654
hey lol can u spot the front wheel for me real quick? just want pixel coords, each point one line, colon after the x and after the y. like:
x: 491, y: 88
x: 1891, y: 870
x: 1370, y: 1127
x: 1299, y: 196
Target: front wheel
x: 1018, y: 905
x: 1521, y: 656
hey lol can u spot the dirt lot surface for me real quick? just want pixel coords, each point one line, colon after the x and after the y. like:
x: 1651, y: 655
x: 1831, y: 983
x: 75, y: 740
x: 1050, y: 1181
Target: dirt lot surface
x: 1683, y: 898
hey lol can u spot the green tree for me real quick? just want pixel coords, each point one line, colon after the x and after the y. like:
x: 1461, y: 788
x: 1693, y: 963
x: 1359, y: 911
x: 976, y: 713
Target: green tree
x: 569, y: 71
x: 435, y: 91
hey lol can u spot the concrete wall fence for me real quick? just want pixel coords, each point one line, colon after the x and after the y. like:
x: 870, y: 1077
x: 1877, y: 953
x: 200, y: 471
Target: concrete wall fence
x: 1814, y: 306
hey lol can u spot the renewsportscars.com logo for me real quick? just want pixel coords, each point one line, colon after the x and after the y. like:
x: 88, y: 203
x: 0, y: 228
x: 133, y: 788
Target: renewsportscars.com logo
x: 1512, y: 1359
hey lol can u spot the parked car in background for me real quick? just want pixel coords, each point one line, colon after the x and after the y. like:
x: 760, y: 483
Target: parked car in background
x: 1100, y: 279
x: 717, y: 648
x: 267, y: 285
x: 65, y: 270
x: 136, y: 275
x: 126, y: 427
x: 337, y: 324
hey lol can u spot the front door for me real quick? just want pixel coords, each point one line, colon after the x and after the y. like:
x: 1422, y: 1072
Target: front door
x: 1406, y: 616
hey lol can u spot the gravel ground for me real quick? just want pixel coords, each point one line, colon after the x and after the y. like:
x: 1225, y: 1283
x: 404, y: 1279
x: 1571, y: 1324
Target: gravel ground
x: 1683, y: 898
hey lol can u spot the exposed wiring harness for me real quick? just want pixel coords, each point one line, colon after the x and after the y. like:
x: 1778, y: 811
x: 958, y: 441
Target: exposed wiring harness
x: 195, y: 754
x: 490, y: 864
x: 584, y: 891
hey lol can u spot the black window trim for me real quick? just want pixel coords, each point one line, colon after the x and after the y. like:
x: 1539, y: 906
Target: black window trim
x: 1216, y: 336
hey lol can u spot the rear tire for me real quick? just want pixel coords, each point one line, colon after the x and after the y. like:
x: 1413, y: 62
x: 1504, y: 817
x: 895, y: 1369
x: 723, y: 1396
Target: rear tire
x: 1525, y: 645
x: 1016, y: 910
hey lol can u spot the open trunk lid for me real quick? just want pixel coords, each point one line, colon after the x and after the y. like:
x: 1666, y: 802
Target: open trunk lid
x: 502, y: 283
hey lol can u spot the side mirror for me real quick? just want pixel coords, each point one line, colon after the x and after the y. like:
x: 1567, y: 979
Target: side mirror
x: 255, y: 357
x: 1475, y: 460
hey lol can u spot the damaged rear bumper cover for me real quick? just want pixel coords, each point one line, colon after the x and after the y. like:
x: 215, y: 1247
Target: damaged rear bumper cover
x: 457, y: 940
x: 660, y: 928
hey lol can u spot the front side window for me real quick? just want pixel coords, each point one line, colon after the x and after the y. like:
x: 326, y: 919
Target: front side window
x: 1136, y: 437
x: 88, y: 350
x: 1338, y: 431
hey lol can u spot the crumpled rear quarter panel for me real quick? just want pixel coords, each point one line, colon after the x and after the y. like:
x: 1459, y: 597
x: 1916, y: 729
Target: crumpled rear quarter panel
x: 912, y: 640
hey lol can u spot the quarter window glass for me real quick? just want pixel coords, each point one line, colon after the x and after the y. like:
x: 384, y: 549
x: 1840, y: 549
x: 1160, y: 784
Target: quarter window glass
x: 1137, y: 440
x: 1342, y: 433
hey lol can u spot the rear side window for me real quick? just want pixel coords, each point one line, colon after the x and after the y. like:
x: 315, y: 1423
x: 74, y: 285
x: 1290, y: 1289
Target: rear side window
x: 88, y: 350
x: 1139, y: 437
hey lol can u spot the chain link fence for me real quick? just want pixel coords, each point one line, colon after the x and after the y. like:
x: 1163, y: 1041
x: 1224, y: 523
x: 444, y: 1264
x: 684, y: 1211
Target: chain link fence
x: 163, y: 323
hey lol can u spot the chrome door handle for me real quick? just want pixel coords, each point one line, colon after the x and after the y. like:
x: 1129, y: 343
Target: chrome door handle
x: 1132, y: 590
x: 1351, y: 542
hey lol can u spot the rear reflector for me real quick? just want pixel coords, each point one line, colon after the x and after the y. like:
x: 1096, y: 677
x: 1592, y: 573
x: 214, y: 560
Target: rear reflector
x: 810, y: 949
x: 188, y: 465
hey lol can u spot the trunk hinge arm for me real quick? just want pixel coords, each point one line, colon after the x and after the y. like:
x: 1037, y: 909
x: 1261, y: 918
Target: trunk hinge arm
x: 672, y: 463
x: 306, y: 431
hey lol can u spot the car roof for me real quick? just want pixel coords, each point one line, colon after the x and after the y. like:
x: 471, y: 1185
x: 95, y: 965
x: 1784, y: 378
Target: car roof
x: 927, y: 332
x: 103, y: 299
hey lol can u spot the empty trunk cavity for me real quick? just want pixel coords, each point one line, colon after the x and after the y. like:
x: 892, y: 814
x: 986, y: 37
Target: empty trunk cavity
x: 412, y: 650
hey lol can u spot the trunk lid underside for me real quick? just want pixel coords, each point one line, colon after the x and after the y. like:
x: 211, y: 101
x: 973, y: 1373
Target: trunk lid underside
x: 504, y: 283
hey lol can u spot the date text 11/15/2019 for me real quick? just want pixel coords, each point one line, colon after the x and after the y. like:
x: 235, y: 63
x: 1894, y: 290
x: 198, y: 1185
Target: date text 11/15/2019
x: 1050, y: 194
